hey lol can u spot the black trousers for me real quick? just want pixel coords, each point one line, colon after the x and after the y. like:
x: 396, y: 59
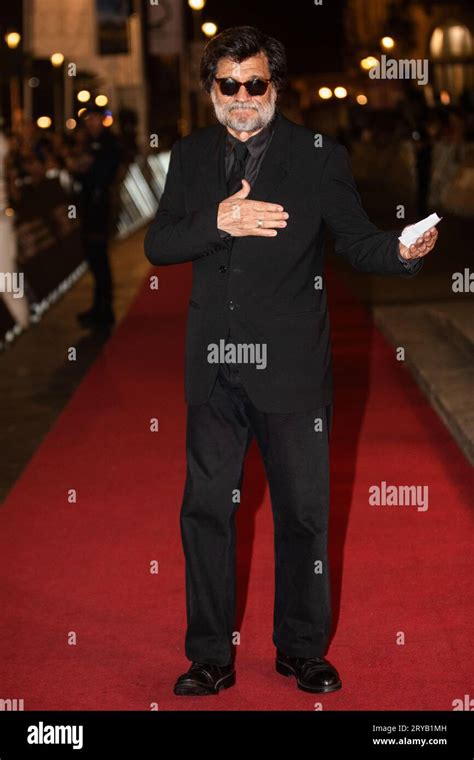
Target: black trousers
x: 97, y: 256
x: 95, y: 222
x: 296, y: 457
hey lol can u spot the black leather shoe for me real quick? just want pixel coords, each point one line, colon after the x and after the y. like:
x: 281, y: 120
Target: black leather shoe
x: 314, y: 674
x: 202, y: 679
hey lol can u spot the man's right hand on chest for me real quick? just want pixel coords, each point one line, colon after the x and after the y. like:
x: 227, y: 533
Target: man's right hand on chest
x: 240, y: 217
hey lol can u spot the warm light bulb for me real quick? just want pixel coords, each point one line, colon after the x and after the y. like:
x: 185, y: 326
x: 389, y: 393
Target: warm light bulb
x: 368, y: 63
x: 12, y: 39
x: 325, y: 93
x: 57, y: 59
x: 44, y: 122
x: 209, y: 28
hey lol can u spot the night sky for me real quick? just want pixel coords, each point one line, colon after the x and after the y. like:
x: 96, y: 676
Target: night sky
x: 313, y: 35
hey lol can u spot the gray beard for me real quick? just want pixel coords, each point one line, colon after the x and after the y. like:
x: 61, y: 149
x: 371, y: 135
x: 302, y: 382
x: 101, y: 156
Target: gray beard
x: 261, y: 115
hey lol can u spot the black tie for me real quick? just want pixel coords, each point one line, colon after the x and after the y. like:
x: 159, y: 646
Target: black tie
x: 237, y: 173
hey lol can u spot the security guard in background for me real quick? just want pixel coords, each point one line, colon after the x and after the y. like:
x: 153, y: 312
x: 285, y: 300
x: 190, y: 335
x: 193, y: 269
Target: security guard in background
x: 96, y: 169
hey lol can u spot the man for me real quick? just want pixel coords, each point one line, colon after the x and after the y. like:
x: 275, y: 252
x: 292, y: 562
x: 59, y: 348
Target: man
x: 96, y: 169
x: 246, y: 200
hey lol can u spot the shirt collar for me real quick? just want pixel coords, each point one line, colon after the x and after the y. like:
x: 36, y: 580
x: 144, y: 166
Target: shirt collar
x: 254, y: 144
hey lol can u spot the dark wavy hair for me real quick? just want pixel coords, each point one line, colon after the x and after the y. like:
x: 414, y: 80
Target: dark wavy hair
x: 239, y: 43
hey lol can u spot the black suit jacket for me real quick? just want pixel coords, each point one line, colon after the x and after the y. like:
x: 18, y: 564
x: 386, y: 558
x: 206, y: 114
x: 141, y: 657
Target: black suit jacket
x: 263, y: 288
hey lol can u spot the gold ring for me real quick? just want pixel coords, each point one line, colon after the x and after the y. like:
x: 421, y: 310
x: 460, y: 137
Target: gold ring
x: 259, y: 222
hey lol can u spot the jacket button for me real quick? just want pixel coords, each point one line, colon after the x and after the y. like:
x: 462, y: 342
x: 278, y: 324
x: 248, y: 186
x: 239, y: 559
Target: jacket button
x: 231, y: 305
x: 222, y: 269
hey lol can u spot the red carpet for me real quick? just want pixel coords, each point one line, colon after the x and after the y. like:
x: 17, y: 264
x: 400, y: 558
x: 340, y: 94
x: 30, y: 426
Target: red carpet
x: 83, y: 568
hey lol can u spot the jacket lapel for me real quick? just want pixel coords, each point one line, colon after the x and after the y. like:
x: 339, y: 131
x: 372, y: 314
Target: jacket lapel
x: 275, y: 163
x: 212, y: 165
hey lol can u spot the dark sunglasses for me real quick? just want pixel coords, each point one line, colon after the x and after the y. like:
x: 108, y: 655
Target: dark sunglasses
x: 229, y: 86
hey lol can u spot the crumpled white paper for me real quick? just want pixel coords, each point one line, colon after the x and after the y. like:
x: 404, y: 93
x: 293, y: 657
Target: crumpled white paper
x: 411, y: 233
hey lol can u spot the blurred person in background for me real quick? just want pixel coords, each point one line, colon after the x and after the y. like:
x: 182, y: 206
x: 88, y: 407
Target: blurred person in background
x: 95, y: 166
x: 423, y: 146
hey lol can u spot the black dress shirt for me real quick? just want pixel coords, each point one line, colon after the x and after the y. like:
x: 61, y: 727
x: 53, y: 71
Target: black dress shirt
x: 257, y: 146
